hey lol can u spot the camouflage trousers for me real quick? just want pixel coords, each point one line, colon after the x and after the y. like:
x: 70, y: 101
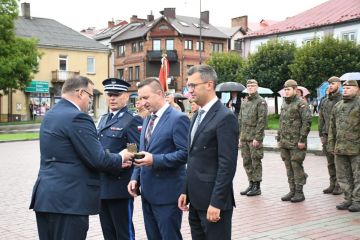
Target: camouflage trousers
x: 348, y: 174
x: 330, y: 164
x: 293, y: 159
x: 252, y: 160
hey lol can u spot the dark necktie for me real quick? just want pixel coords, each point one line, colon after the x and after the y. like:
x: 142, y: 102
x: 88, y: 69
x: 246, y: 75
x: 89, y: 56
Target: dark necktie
x: 196, y: 124
x: 149, y: 129
x: 109, y: 117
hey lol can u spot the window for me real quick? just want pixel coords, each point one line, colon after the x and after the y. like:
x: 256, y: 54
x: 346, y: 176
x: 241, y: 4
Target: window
x: 349, y: 36
x: 137, y: 73
x: 90, y: 65
x: 121, y: 50
x: 217, y: 47
x: 141, y: 46
x: 198, y: 46
x: 237, y: 45
x: 169, y: 44
x: 120, y: 73
x: 130, y: 73
x: 188, y: 45
x: 63, y: 63
x: 134, y: 47
x: 156, y: 45
x: 164, y: 27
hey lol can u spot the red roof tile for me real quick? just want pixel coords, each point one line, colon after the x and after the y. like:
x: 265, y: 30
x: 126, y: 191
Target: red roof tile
x: 328, y: 13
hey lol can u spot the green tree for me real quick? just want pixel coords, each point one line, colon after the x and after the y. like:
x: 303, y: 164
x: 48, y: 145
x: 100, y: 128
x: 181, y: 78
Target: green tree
x: 18, y: 56
x: 317, y: 61
x: 270, y: 64
x: 228, y: 66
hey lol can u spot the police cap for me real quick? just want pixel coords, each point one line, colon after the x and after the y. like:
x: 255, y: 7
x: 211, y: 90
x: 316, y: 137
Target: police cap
x: 115, y: 85
x: 290, y: 83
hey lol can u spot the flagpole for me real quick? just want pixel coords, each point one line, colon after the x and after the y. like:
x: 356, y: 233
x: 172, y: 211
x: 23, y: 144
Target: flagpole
x: 200, y: 49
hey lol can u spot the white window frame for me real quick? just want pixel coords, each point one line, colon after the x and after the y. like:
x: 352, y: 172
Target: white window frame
x: 156, y: 44
x: 90, y: 70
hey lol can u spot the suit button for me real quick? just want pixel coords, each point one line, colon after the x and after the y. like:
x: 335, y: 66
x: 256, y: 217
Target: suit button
x: 119, y: 177
x: 158, y: 175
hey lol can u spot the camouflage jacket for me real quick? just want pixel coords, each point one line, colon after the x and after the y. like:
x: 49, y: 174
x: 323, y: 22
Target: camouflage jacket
x: 294, y: 124
x: 253, y: 118
x: 344, y: 128
x: 325, y: 112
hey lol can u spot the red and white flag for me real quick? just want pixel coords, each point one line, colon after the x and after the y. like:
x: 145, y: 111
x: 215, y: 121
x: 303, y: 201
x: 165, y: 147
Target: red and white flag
x: 164, y: 72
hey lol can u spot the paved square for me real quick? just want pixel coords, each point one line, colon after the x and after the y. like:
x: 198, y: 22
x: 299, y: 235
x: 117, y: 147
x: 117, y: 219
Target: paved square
x: 260, y: 217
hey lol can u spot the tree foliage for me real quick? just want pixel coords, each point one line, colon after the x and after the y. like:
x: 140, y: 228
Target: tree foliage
x: 317, y: 61
x: 18, y: 56
x: 270, y: 64
x: 228, y: 66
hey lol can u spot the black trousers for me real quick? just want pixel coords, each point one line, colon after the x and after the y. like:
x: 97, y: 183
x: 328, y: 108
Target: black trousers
x: 202, y: 229
x: 116, y: 219
x: 57, y: 226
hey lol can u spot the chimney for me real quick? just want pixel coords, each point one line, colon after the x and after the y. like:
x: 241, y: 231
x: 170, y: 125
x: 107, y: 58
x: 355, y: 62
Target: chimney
x: 133, y: 19
x: 169, y: 12
x: 25, y: 10
x: 150, y: 18
x: 111, y: 24
x: 205, y: 15
x: 240, y: 22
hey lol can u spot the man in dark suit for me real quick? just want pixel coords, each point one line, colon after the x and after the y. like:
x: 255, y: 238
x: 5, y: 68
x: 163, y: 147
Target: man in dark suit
x: 67, y: 189
x: 212, y: 158
x: 115, y: 130
x: 161, y: 172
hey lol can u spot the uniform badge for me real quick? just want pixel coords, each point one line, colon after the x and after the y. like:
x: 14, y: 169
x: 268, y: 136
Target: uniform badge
x: 116, y: 129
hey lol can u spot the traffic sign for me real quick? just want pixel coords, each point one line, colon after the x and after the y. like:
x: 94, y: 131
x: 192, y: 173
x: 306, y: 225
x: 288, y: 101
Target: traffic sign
x: 38, y: 86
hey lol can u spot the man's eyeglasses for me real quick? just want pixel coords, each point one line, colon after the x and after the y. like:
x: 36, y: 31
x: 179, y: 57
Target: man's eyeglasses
x: 90, y: 95
x: 193, y: 85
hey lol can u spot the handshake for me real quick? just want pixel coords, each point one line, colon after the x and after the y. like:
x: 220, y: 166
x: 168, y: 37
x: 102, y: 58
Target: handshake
x: 131, y: 156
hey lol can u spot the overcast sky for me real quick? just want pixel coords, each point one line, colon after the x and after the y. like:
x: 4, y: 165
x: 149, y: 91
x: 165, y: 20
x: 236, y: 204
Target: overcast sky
x: 80, y: 14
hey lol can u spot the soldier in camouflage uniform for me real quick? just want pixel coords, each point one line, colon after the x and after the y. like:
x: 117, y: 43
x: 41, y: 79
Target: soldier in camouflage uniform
x: 252, y: 122
x: 344, y: 142
x: 295, y: 122
x: 324, y: 118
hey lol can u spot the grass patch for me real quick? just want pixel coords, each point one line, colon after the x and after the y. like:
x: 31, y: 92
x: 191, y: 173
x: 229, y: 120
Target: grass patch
x: 20, y: 122
x: 18, y: 136
x: 273, y: 122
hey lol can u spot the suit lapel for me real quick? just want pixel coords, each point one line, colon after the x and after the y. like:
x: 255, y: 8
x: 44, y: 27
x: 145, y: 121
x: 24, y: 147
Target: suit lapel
x: 159, y: 125
x: 209, y: 115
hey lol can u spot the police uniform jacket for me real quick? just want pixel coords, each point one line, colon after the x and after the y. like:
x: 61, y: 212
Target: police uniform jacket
x: 123, y: 128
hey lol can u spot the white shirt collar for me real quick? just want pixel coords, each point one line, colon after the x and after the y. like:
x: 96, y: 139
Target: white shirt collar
x: 161, y: 111
x: 207, y: 106
x: 74, y: 104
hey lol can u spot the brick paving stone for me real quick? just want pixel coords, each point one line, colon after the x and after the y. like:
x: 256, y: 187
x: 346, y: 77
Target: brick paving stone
x: 260, y: 217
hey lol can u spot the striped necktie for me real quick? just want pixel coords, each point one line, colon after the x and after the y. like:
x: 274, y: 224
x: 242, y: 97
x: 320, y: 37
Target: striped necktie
x: 149, y: 129
x: 196, y: 124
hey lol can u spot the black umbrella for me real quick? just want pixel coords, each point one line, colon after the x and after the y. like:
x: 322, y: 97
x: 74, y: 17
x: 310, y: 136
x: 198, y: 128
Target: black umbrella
x: 179, y: 96
x: 230, y: 87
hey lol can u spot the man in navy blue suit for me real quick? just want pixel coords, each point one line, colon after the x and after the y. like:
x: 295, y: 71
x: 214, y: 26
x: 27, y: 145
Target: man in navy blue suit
x: 211, y: 166
x: 115, y: 130
x: 67, y: 189
x: 161, y: 172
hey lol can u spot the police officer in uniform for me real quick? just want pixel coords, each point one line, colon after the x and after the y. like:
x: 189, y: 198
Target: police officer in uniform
x: 295, y: 123
x: 115, y: 130
x: 344, y: 142
x: 326, y: 107
x: 252, y: 123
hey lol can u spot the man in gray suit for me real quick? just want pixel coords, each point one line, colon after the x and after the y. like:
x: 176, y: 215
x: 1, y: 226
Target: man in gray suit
x: 212, y: 158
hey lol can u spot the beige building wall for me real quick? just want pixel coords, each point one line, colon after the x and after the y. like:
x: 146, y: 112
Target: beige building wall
x: 76, y: 62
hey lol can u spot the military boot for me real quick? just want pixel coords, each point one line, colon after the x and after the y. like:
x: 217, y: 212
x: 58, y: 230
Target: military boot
x: 288, y: 196
x: 329, y: 189
x: 337, y: 190
x: 354, y: 207
x: 344, y: 205
x: 299, y: 194
x: 255, y: 190
x: 251, y: 183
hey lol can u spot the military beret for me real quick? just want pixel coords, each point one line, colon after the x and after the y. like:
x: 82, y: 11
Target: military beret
x: 351, y: 83
x: 115, y: 85
x: 334, y: 79
x: 290, y: 83
x: 252, y: 81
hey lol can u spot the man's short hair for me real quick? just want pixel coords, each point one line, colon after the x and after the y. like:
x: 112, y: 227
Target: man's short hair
x: 207, y: 73
x: 152, y: 82
x: 74, y: 83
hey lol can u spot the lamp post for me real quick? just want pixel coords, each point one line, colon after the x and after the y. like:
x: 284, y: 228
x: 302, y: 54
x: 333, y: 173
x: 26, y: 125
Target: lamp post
x: 200, y: 38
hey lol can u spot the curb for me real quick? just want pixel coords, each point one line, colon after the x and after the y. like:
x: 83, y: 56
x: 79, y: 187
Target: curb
x: 313, y: 151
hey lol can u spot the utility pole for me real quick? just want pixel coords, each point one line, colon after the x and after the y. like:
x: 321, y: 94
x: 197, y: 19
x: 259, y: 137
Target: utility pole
x: 200, y: 40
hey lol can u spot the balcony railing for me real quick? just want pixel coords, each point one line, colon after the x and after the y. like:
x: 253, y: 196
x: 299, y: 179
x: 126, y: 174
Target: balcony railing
x: 156, y: 55
x: 62, y: 76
